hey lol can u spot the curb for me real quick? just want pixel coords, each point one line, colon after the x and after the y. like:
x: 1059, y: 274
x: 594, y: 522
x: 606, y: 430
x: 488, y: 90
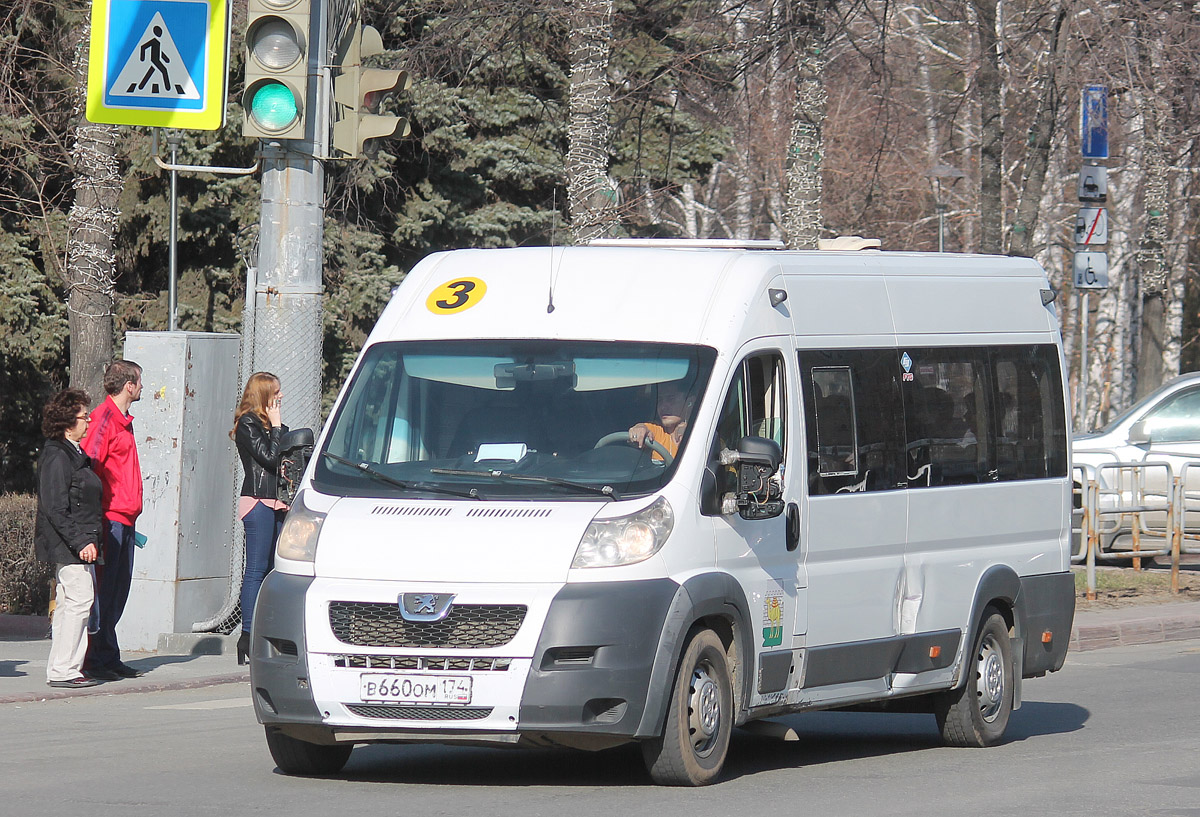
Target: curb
x: 125, y: 688
x: 1172, y: 623
x: 35, y: 627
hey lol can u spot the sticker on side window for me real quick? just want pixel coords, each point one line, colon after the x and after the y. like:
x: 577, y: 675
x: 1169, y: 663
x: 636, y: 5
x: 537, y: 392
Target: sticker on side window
x: 906, y: 362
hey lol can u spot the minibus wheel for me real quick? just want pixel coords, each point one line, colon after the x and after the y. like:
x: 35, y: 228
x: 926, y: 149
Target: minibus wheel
x: 976, y: 714
x: 695, y: 739
x: 299, y: 757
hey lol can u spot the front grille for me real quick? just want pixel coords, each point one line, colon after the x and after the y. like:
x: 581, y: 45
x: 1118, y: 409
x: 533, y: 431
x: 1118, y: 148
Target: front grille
x: 422, y: 663
x: 466, y: 627
x: 420, y: 713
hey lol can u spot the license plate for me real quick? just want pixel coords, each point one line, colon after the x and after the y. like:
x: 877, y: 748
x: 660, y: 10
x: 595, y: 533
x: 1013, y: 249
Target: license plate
x: 415, y: 688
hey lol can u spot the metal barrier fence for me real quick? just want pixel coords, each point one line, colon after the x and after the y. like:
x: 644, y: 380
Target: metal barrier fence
x: 1135, y: 511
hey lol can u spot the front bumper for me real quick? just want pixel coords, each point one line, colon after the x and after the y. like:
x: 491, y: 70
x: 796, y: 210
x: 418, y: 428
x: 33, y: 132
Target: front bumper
x: 576, y: 672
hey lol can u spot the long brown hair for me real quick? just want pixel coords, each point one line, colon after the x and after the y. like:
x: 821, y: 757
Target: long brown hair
x: 260, y: 390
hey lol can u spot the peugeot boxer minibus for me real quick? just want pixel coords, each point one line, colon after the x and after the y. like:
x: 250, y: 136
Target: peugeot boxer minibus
x: 648, y: 491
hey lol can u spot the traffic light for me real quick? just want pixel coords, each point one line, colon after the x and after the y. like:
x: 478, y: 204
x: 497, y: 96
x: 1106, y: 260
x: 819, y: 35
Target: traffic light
x: 276, y: 68
x: 358, y: 93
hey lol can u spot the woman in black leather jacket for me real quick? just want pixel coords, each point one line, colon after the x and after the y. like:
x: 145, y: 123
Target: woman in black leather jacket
x: 67, y: 532
x: 256, y: 431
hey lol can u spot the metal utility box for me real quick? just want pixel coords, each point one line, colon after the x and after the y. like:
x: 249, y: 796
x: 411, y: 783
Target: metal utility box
x: 181, y: 425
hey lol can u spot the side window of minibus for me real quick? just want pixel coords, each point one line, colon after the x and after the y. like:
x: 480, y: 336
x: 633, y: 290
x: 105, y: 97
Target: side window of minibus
x: 854, y: 424
x: 948, y: 408
x: 1031, y: 424
x: 755, y: 405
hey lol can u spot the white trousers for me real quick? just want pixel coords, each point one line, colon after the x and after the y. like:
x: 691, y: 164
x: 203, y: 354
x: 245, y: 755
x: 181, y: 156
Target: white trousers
x: 68, y: 632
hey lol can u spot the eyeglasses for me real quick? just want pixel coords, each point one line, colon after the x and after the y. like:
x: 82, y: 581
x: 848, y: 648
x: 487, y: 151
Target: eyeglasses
x: 85, y: 417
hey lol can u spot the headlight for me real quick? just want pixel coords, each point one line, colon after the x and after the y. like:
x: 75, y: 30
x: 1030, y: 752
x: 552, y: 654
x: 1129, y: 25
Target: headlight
x: 626, y: 540
x: 298, y: 539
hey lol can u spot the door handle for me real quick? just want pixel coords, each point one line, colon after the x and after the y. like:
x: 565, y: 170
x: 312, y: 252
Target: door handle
x: 792, y: 515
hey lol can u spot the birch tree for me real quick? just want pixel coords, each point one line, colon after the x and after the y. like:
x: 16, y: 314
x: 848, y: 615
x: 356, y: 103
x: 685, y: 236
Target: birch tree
x: 591, y: 198
x: 802, y: 220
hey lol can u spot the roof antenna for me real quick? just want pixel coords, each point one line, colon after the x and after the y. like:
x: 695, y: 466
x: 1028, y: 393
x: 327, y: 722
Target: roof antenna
x: 553, y: 225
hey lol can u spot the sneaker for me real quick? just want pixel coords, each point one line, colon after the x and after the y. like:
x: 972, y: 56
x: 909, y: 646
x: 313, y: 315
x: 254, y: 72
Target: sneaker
x: 75, y: 683
x: 102, y: 674
x: 126, y: 671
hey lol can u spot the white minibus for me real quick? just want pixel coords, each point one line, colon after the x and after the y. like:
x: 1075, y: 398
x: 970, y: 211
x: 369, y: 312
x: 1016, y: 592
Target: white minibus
x: 649, y: 491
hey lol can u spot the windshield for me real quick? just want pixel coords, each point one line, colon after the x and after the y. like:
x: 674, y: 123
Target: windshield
x: 513, y: 418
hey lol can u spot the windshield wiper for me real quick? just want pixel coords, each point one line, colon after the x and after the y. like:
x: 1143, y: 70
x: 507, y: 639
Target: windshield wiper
x: 401, y: 484
x: 606, y: 490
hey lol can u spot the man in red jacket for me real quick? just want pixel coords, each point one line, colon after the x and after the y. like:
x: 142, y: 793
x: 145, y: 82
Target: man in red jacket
x: 110, y: 444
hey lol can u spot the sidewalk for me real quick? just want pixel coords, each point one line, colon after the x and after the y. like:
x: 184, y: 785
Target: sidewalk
x: 24, y: 648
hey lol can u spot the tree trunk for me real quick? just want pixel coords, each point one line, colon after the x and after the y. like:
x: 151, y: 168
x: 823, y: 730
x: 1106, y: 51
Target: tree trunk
x: 991, y: 128
x: 806, y: 146
x: 1151, y: 256
x: 1110, y: 340
x: 91, y: 228
x: 591, y: 198
x: 1041, y: 139
x: 1178, y: 254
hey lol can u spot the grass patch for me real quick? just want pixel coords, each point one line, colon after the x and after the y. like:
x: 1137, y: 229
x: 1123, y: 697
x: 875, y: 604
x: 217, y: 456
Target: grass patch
x: 1124, y: 579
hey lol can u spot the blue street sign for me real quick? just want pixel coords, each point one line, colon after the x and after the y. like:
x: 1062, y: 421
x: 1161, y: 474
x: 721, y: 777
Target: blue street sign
x: 160, y: 63
x: 1093, y: 122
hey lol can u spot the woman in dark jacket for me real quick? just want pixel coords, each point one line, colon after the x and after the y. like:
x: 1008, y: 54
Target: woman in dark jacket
x: 67, y: 532
x: 256, y: 431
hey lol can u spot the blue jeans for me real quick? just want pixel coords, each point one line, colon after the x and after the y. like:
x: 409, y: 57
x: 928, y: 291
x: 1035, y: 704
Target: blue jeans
x: 113, y: 578
x: 262, y: 531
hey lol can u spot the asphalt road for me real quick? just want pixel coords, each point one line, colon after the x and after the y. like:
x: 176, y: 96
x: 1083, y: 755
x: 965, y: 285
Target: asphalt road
x: 1114, y: 733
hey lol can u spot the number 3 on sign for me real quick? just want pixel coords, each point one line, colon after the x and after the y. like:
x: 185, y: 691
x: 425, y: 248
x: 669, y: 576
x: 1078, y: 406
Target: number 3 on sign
x: 455, y: 296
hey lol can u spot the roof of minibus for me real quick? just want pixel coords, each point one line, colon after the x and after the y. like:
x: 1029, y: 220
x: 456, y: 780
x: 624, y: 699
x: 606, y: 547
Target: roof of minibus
x: 671, y: 294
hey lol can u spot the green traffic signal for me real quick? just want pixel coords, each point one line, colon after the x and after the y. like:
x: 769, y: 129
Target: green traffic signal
x: 277, y: 55
x: 273, y: 106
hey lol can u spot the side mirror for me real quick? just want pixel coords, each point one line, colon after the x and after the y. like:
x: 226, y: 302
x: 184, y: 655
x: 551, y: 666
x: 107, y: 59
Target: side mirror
x: 295, y: 448
x: 758, y: 496
x: 1139, y: 434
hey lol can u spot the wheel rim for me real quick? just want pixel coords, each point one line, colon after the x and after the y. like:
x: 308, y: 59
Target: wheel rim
x: 704, y: 711
x: 991, y: 678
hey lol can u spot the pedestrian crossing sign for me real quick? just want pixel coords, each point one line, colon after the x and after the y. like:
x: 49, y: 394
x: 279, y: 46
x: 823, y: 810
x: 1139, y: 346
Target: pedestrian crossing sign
x: 158, y: 63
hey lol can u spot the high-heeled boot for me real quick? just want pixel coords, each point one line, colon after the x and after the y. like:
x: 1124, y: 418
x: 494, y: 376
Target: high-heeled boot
x: 243, y: 648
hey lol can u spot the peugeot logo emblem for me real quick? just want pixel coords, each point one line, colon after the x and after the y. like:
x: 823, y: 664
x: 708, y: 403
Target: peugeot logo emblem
x: 425, y: 606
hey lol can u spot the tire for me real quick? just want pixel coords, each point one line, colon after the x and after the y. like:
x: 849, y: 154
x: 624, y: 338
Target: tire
x: 299, y: 757
x: 695, y: 739
x: 976, y: 714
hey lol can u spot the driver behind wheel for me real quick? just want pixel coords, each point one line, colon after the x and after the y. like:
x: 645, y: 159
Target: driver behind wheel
x: 674, y: 409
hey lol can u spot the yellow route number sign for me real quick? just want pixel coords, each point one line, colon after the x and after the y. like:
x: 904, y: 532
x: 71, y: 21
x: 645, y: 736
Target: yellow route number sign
x: 158, y: 63
x: 455, y: 296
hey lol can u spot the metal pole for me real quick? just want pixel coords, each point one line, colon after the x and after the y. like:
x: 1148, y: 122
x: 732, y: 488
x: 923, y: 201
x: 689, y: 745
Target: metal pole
x: 1091, y: 510
x: 941, y: 208
x: 172, y: 255
x: 1083, y: 370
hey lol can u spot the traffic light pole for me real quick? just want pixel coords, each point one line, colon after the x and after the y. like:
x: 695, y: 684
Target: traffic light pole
x: 288, y: 294
x: 287, y: 307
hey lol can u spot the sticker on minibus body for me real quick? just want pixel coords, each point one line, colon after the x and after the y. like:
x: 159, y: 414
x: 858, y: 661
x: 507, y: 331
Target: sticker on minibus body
x: 455, y: 295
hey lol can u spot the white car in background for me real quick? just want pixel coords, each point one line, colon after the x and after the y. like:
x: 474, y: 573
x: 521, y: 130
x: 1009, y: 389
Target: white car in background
x: 1164, y: 427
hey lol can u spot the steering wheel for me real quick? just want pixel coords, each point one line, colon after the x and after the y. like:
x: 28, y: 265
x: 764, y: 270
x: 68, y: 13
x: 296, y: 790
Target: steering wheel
x: 651, y: 443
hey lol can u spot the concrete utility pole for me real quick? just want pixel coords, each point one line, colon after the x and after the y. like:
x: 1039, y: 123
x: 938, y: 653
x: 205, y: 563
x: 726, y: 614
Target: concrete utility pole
x: 288, y: 292
x: 287, y: 297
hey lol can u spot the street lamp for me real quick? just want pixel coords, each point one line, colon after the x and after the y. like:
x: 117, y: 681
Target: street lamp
x: 937, y: 173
